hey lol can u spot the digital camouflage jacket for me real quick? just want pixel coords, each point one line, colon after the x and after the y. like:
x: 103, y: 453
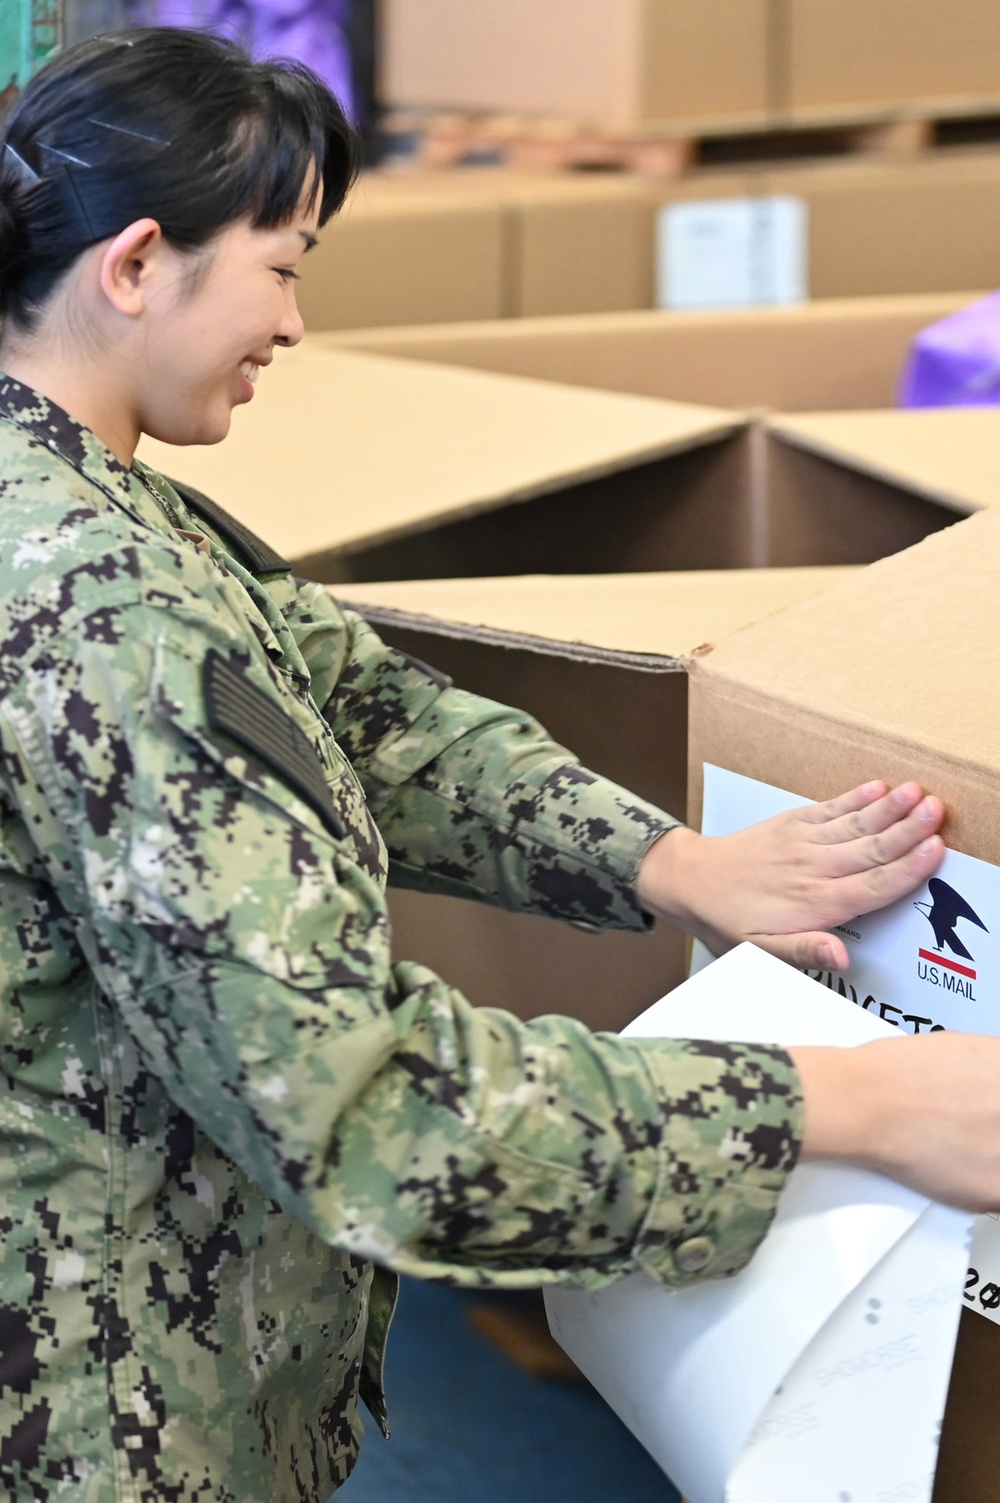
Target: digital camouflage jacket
x: 222, y: 1098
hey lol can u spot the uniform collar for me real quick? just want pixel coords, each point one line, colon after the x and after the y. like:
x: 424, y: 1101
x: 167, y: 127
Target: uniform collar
x: 46, y: 423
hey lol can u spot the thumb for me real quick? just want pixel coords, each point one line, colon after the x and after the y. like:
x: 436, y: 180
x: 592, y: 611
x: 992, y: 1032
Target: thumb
x: 815, y: 952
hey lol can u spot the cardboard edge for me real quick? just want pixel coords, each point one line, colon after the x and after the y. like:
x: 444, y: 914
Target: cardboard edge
x: 477, y: 506
x: 827, y: 449
x: 710, y: 679
x: 493, y: 636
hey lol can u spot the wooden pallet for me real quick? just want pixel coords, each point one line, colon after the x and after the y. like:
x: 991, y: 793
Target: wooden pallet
x: 668, y: 151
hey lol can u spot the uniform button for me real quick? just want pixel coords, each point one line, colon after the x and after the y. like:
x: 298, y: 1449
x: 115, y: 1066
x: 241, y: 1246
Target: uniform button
x: 695, y: 1254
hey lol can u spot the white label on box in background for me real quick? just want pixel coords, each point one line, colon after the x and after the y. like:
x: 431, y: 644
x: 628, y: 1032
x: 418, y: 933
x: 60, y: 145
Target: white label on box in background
x: 930, y: 961
x: 732, y: 253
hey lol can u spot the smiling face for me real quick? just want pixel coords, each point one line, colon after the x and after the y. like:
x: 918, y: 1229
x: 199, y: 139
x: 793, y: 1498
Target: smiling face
x: 210, y: 327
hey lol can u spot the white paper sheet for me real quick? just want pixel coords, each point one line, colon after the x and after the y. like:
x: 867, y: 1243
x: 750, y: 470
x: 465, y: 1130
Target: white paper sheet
x: 695, y: 1374
x: 899, y: 971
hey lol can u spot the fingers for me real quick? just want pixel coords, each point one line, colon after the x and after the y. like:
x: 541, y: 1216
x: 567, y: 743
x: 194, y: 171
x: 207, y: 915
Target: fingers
x: 881, y: 885
x: 895, y: 841
x: 846, y: 803
x: 873, y: 817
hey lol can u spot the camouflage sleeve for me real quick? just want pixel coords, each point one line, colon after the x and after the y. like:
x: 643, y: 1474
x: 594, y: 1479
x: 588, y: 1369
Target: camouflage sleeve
x: 472, y: 798
x: 246, y: 950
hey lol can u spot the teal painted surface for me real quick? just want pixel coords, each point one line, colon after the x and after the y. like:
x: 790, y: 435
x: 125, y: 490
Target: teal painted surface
x: 30, y: 32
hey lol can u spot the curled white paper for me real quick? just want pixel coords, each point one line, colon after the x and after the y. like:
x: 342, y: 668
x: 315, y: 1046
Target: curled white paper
x: 729, y: 1385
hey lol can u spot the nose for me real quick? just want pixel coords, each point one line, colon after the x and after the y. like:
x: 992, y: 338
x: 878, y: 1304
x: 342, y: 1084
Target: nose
x: 291, y: 328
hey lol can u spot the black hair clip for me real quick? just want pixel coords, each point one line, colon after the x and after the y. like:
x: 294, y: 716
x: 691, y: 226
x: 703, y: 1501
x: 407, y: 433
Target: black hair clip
x: 28, y: 173
x: 124, y: 130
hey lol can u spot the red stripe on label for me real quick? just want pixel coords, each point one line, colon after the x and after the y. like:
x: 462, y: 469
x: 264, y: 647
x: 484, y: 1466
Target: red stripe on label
x: 952, y: 965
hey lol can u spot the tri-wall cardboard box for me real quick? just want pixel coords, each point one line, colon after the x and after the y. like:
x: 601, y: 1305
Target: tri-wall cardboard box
x: 831, y: 354
x: 720, y: 65
x: 619, y: 62
x: 890, y: 674
x: 602, y: 662
x: 420, y: 248
x: 859, y: 55
x: 443, y: 247
x: 878, y: 226
x: 359, y: 467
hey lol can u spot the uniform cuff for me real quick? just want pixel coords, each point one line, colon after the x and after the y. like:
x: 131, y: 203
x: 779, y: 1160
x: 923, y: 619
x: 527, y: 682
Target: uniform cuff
x: 730, y: 1142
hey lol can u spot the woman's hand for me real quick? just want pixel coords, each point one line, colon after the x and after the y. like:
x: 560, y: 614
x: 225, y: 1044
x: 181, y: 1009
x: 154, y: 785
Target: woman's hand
x: 785, y: 883
x: 925, y: 1111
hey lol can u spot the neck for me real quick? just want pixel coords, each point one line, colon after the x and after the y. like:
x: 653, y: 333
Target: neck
x: 87, y: 391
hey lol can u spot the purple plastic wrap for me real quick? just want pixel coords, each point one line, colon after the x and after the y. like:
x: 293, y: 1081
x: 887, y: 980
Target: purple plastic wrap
x: 956, y: 363
x: 313, y: 31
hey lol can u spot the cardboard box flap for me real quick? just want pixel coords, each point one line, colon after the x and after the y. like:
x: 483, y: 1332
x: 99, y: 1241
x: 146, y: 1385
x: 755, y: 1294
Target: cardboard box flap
x: 894, y: 657
x: 406, y: 443
x: 948, y: 455
x: 652, y: 622
x: 829, y: 354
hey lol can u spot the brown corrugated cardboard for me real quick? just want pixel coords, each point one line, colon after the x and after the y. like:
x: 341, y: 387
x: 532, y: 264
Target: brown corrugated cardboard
x: 882, y: 227
x: 824, y: 355
x: 888, y: 675
x: 432, y: 247
x: 612, y: 61
x: 360, y: 466
x: 951, y: 455
x: 602, y: 662
x: 879, y: 54
x: 412, y: 259
x: 343, y: 454
x: 413, y: 248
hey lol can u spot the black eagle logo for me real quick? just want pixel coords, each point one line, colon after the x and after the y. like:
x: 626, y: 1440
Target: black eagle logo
x: 944, y: 911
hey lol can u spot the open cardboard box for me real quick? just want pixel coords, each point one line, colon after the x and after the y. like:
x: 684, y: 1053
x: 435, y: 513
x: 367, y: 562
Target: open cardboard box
x: 889, y: 674
x: 602, y: 662
x: 825, y: 355
x: 359, y: 466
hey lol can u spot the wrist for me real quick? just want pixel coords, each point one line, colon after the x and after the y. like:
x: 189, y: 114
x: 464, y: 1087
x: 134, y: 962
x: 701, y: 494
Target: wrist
x: 667, y: 878
x: 844, y: 1096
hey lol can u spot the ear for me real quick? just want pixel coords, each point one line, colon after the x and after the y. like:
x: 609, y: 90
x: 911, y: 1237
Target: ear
x: 126, y: 265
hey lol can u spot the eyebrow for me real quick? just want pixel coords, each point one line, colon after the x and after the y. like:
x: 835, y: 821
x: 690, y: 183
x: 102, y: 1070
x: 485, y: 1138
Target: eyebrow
x: 311, y: 240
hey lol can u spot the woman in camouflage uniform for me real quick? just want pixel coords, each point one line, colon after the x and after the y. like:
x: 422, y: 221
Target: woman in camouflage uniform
x: 229, y: 1114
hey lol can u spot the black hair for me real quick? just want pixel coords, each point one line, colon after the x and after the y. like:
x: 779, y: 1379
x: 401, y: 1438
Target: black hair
x: 173, y: 125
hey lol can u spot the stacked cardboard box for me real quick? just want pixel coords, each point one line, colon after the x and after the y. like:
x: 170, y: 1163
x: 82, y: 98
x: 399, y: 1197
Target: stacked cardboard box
x: 445, y: 247
x: 618, y: 61
x: 717, y: 64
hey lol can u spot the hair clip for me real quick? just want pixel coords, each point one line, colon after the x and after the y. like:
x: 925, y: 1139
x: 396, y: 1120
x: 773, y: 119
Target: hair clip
x: 21, y: 164
x: 67, y: 156
x: 124, y: 130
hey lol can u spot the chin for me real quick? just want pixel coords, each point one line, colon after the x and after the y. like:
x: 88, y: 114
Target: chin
x: 206, y: 429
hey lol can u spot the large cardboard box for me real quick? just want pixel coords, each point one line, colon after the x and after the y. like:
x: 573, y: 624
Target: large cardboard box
x: 359, y: 467
x: 879, y: 226
x: 880, y: 54
x: 826, y: 355
x: 614, y: 61
x: 442, y: 247
x: 602, y: 662
x: 422, y: 248
x: 888, y: 675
